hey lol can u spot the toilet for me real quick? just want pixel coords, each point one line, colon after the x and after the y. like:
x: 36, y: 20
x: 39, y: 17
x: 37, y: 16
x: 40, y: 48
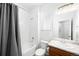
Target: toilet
x: 41, y: 51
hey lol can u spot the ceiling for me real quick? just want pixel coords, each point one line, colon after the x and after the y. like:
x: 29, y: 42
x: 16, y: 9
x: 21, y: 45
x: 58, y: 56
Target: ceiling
x: 30, y: 6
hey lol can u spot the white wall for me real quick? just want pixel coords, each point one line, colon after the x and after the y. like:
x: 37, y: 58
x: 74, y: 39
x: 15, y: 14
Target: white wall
x: 76, y: 26
x: 24, y: 27
x: 46, y: 14
x: 33, y: 26
x: 28, y: 24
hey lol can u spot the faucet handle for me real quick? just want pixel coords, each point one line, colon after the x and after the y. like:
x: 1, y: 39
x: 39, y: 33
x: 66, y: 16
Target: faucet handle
x: 32, y: 37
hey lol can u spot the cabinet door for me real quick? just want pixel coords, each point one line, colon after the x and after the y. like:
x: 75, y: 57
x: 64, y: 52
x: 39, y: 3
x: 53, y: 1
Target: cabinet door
x: 58, y: 52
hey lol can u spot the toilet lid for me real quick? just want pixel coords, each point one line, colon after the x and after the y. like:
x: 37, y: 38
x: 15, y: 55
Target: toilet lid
x: 40, y: 52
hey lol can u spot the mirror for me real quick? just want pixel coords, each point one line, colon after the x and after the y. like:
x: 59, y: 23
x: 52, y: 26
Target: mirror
x: 68, y: 25
x: 65, y: 29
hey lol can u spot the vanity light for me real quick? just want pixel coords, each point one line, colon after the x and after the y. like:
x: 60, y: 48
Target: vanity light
x: 67, y: 8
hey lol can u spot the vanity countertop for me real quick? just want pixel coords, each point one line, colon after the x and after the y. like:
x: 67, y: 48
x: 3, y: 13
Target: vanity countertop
x: 73, y: 48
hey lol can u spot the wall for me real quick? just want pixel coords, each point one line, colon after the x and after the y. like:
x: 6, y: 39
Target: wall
x: 76, y: 26
x: 46, y: 14
x: 33, y: 26
x: 24, y: 26
x: 28, y: 24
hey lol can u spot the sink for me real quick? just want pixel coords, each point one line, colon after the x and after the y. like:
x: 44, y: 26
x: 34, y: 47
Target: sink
x: 70, y: 46
x: 55, y: 43
x: 65, y: 46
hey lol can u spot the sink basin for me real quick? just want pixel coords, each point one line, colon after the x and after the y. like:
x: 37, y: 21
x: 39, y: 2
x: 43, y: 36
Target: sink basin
x: 56, y: 43
x: 70, y: 46
x: 63, y: 44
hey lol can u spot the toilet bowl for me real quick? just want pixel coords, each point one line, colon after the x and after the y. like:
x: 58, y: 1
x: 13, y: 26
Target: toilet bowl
x: 40, y: 52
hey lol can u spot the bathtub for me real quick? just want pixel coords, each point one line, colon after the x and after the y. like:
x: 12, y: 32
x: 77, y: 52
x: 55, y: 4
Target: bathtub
x: 28, y: 50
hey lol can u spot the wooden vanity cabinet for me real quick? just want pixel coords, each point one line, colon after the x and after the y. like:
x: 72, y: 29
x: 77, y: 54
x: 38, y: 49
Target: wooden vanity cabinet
x: 53, y: 51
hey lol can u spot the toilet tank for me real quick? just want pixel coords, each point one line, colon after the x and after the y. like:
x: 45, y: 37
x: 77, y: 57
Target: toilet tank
x: 43, y: 44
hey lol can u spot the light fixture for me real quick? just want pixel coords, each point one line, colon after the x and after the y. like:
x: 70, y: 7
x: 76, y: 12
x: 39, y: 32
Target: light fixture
x: 67, y: 8
x: 65, y: 5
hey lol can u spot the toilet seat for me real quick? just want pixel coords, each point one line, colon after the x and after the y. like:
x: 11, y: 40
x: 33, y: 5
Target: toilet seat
x: 40, y: 52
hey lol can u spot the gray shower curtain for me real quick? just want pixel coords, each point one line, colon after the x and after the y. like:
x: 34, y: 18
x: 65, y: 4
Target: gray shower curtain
x: 9, y: 32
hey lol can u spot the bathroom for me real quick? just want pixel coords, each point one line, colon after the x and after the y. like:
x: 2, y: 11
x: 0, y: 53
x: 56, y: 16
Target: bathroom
x: 45, y: 29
